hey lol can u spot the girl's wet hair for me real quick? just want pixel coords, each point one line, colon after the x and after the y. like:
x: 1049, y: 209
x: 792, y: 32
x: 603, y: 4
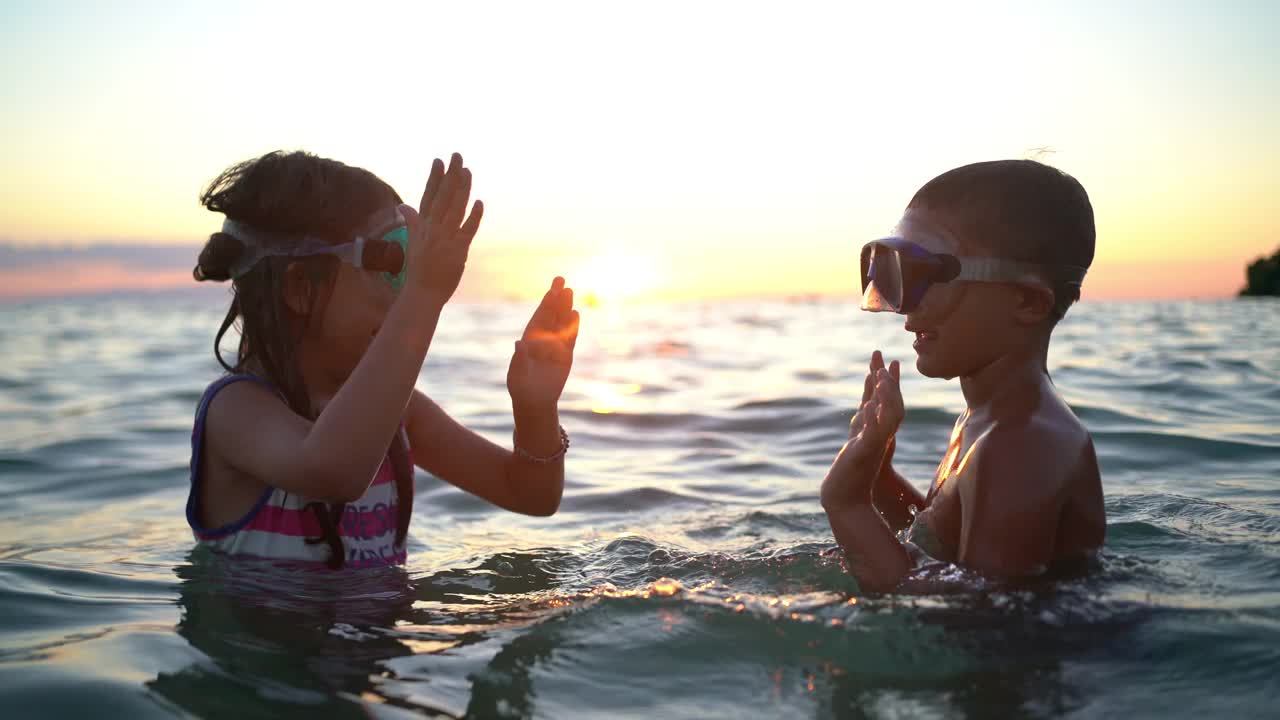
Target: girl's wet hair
x: 299, y: 194
x: 1020, y: 210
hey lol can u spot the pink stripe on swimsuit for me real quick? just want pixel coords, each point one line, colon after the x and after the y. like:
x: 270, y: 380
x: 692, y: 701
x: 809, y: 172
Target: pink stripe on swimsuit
x: 279, y: 524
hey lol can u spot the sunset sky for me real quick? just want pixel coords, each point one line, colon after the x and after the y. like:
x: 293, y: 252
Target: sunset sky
x: 650, y: 150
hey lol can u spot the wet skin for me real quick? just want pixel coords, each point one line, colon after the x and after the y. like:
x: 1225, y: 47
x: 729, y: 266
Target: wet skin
x: 1018, y: 491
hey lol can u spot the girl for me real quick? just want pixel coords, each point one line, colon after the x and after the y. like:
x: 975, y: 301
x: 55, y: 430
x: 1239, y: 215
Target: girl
x: 305, y: 449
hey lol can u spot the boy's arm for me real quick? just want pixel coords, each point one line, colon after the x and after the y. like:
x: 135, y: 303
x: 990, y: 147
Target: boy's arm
x: 1011, y: 501
x: 893, y: 496
x: 874, y: 555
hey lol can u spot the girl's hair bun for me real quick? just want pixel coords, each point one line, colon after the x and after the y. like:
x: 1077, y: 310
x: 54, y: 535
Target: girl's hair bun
x: 217, y: 257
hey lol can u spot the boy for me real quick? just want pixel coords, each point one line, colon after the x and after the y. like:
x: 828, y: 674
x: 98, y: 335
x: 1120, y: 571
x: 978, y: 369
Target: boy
x: 987, y: 259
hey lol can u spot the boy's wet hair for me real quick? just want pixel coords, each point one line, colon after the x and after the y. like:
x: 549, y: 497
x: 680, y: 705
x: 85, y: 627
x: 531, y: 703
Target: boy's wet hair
x: 1020, y: 210
x: 292, y: 193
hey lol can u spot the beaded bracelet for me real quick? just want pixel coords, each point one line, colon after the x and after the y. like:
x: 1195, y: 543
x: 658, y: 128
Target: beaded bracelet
x: 558, y: 455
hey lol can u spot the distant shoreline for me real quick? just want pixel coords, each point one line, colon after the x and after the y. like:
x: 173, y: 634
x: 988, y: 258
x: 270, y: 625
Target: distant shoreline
x: 1262, y: 277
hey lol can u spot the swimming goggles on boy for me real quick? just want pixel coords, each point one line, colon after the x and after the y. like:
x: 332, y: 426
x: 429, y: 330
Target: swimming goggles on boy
x: 381, y: 244
x: 896, y: 273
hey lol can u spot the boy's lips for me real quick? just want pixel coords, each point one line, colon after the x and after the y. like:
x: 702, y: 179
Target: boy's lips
x: 923, y: 337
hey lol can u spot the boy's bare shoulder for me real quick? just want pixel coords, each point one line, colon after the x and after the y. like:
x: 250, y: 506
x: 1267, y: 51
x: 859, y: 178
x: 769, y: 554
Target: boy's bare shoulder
x: 1035, y: 457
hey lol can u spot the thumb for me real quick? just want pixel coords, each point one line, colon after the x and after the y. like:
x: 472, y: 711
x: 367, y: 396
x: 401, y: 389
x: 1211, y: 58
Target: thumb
x: 519, y: 361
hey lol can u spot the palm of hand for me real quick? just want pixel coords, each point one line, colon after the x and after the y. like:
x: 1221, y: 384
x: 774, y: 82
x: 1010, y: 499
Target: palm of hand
x: 871, y: 434
x: 880, y: 414
x: 544, y: 355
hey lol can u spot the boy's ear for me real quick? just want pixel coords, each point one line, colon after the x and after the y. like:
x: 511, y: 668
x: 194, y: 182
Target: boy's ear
x: 1035, y: 304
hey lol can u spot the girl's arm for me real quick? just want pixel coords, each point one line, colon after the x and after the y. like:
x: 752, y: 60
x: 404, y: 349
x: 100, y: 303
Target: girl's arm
x: 445, y: 448
x: 893, y: 496
x: 535, y: 378
x: 335, y: 457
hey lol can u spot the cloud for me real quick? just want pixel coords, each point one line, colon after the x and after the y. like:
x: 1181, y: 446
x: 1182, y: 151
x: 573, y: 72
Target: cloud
x: 44, y: 271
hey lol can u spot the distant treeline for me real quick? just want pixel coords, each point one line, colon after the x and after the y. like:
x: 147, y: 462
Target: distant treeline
x: 1262, y: 277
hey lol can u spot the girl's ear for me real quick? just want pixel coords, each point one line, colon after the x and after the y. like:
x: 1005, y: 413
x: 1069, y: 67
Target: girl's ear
x: 298, y: 288
x: 1034, y: 304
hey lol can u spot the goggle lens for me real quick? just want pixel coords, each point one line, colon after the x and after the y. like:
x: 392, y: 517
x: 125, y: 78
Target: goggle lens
x: 400, y: 237
x: 882, y: 284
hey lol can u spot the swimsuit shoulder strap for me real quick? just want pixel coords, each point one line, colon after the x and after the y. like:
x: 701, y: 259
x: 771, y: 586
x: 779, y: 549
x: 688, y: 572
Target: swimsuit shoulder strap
x: 197, y: 437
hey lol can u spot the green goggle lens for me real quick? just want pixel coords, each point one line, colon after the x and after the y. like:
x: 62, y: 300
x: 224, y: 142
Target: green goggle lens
x: 400, y: 236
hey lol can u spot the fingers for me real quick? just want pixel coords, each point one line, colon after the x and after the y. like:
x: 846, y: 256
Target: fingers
x: 570, y: 332
x: 551, y: 336
x: 895, y: 371
x: 457, y: 205
x: 444, y: 201
x: 432, y: 188
x: 469, y: 228
x: 443, y: 197
x: 870, y: 417
x: 553, y: 310
x: 887, y: 399
x: 564, y: 305
x: 868, y: 387
x: 542, y: 315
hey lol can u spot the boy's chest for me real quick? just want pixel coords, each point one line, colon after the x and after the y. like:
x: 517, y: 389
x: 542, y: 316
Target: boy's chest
x: 937, y: 529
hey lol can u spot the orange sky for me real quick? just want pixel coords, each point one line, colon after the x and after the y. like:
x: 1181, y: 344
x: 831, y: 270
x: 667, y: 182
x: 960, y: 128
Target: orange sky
x: 670, y: 150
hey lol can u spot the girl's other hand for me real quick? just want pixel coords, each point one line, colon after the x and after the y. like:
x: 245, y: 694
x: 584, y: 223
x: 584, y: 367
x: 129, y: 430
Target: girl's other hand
x: 439, y: 237
x: 543, y: 356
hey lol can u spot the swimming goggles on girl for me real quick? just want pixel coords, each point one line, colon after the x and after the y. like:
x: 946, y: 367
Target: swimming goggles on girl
x: 896, y: 273
x: 382, y: 244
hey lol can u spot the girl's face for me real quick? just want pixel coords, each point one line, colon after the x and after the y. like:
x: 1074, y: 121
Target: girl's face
x: 960, y: 327
x: 357, y: 305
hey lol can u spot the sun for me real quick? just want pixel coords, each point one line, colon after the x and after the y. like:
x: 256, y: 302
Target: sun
x: 614, y: 276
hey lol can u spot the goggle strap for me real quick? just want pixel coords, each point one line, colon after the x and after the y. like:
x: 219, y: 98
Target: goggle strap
x: 989, y: 269
x: 358, y: 260
x: 259, y: 244
x: 265, y: 243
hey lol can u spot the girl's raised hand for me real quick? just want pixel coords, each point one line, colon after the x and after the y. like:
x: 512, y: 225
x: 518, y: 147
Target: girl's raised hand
x: 543, y: 356
x: 440, y: 232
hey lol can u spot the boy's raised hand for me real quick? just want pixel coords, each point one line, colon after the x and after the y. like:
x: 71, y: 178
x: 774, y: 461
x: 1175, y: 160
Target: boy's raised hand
x: 871, y: 435
x: 882, y: 408
x: 439, y: 238
x: 544, y: 355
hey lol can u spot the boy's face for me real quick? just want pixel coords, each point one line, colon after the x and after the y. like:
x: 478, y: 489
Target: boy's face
x: 960, y: 327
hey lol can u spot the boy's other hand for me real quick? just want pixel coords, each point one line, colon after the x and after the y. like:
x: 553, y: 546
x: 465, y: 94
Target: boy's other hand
x: 882, y: 408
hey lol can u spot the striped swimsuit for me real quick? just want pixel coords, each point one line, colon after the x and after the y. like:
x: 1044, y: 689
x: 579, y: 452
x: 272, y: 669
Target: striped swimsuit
x: 279, y: 524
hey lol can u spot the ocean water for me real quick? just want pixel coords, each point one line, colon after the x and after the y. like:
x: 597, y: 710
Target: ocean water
x: 690, y: 572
